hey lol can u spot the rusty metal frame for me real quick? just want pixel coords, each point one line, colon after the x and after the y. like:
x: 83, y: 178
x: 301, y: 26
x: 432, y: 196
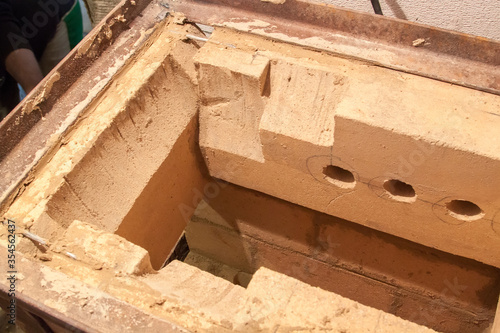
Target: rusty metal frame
x: 31, y: 308
x: 432, y: 52
x: 70, y: 69
x: 37, y: 308
x: 445, y: 55
x: 25, y: 134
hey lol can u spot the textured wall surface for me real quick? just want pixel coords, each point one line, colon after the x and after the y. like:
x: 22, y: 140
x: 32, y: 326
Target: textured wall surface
x: 477, y: 17
x: 98, y: 9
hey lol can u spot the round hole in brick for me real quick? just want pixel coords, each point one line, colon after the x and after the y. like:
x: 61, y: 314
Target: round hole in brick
x: 400, y: 191
x: 339, y: 176
x: 464, y: 210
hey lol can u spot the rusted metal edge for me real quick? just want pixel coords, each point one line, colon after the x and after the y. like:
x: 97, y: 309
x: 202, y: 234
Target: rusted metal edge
x: 77, y: 318
x: 31, y: 130
x: 15, y: 126
x: 44, y: 312
x: 436, y: 53
x: 69, y: 324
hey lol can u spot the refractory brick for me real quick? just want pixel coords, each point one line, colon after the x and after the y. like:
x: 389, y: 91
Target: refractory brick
x: 403, y: 154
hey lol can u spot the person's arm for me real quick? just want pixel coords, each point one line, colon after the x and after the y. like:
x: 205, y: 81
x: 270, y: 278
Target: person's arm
x: 24, y: 68
x: 15, y: 51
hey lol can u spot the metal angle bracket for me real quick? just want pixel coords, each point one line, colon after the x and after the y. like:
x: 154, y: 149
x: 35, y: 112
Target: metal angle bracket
x: 427, y: 51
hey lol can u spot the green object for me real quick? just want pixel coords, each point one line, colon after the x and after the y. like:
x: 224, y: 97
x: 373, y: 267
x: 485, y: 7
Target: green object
x: 74, y: 24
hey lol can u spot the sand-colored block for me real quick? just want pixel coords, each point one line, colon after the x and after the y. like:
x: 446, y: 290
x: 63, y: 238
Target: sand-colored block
x: 300, y: 108
x: 247, y: 230
x: 200, y: 290
x: 218, y: 268
x: 224, y: 245
x: 181, y: 298
x: 231, y: 79
x: 407, y: 155
x: 104, y: 250
x: 284, y: 303
x: 439, y: 310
